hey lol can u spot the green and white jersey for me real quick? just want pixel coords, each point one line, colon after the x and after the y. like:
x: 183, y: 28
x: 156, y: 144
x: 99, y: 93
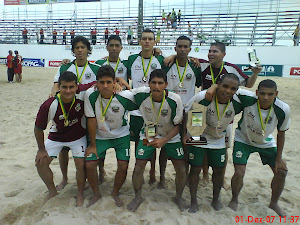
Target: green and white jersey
x: 192, y: 78
x: 121, y: 71
x: 136, y: 72
x: 115, y: 124
x: 249, y: 129
x: 215, y: 131
x: 89, y: 75
x: 171, y: 112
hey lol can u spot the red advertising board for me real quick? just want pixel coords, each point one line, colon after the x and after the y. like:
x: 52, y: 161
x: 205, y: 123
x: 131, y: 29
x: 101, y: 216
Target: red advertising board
x: 54, y: 63
x: 11, y: 2
x: 295, y: 71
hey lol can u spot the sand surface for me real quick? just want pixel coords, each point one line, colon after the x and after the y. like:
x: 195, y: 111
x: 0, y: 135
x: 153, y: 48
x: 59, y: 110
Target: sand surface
x: 22, y: 191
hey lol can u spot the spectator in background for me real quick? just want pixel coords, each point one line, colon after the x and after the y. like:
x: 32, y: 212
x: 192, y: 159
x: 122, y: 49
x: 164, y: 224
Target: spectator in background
x: 10, y: 67
x: 64, y: 42
x: 94, y: 36
x: 54, y: 36
x: 18, y: 66
x: 179, y: 15
x: 158, y: 36
x: 72, y: 34
x: 42, y: 36
x: 106, y: 32
x: 169, y: 19
x: 24, y: 34
x: 155, y: 23
x: 163, y: 17
x: 37, y: 37
x: 129, y: 35
x: 117, y: 32
x: 296, y: 36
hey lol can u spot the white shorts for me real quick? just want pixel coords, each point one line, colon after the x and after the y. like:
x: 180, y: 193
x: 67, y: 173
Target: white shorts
x: 77, y: 147
x: 228, y: 135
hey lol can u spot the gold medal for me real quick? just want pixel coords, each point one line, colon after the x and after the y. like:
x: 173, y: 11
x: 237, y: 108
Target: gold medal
x: 66, y: 123
x: 181, y: 85
x: 145, y: 79
x: 102, y: 119
x: 219, y: 124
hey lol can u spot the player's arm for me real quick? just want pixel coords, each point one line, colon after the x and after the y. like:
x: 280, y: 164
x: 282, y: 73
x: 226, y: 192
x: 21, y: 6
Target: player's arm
x: 65, y: 61
x: 185, y: 136
x: 54, y: 90
x: 251, y: 80
x: 41, y: 154
x: 160, y: 142
x: 122, y: 83
x: 280, y: 163
x: 92, y: 126
x: 168, y: 61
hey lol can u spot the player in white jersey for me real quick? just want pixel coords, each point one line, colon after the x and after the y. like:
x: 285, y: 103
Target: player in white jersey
x: 108, y: 128
x: 162, y: 112
x: 139, y: 67
x: 220, y: 112
x: 182, y: 77
x: 263, y: 112
x: 66, y: 113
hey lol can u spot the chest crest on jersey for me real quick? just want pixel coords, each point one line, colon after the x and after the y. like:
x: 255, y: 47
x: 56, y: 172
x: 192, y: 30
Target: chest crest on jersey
x: 228, y: 113
x: 164, y: 112
x: 153, y: 66
x: 61, y: 117
x: 120, y: 70
x: 188, y: 76
x: 270, y: 120
x: 88, y: 75
x: 77, y: 107
x: 115, y: 109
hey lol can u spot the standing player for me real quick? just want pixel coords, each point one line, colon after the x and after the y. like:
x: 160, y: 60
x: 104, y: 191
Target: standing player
x: 24, y: 34
x: 220, y: 113
x: 86, y: 73
x: 139, y: 67
x: 129, y: 35
x: 18, y: 66
x: 10, y: 66
x: 72, y: 34
x: 66, y: 111
x: 94, y: 36
x: 64, y: 42
x: 54, y: 36
x: 108, y: 128
x: 42, y: 36
x: 162, y: 112
x: 106, y: 32
x: 263, y: 112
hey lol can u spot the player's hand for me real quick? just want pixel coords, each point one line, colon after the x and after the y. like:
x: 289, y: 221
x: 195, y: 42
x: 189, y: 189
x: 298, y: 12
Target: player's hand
x: 65, y: 61
x: 280, y: 164
x: 105, y: 58
x: 123, y: 82
x: 168, y: 61
x: 211, y: 92
x: 158, y: 142
x: 157, y: 52
x: 117, y: 88
x: 195, y: 61
x: 41, y: 156
x: 257, y: 69
x: 91, y: 149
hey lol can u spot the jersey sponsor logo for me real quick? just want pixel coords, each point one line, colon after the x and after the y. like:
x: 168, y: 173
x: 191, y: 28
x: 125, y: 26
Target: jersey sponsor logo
x: 164, y: 112
x: 109, y: 120
x: 254, y: 130
x: 173, y: 76
x: 210, y: 111
x: 188, y: 76
x: 251, y: 115
x: 73, y: 122
x: 228, y: 113
x: 77, y: 107
x: 208, y: 77
x: 141, y: 151
x: 88, y: 75
x: 238, y: 154
x: 295, y: 71
x: 54, y: 63
x: 137, y: 67
x: 191, y: 156
x: 148, y: 110
x: 153, y: 66
x: 115, y: 109
x: 61, y: 117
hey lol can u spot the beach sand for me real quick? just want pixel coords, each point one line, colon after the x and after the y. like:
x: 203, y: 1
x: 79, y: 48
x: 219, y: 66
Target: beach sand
x: 22, y: 190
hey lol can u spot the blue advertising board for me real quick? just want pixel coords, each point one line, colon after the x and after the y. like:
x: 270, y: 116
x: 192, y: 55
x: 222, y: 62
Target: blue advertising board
x: 33, y: 62
x: 267, y: 70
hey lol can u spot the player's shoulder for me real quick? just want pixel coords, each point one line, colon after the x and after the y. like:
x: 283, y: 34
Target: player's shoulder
x: 172, y: 95
x: 46, y: 104
x: 100, y: 62
x: 125, y: 94
x: 231, y: 65
x: 94, y: 65
x: 282, y: 105
x: 140, y: 90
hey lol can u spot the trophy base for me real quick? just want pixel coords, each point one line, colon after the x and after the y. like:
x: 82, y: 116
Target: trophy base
x: 197, y: 141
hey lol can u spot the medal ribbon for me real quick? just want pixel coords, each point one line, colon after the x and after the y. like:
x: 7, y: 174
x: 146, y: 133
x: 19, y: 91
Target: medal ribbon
x: 212, y: 73
x: 66, y: 116
x: 183, y: 75
x: 161, y: 105
x: 116, y: 65
x: 77, y: 73
x: 143, y: 63
x: 218, y: 111
x: 106, y: 108
x: 263, y: 126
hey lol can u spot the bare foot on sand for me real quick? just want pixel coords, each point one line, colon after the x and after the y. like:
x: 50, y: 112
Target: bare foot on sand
x: 194, y: 208
x: 50, y: 195
x: 233, y: 205
x: 62, y: 184
x: 152, y: 178
x: 217, y: 205
x: 93, y: 200
x: 79, y: 199
x: 180, y: 203
x: 277, y: 209
x: 117, y: 199
x: 135, y: 204
x: 162, y: 184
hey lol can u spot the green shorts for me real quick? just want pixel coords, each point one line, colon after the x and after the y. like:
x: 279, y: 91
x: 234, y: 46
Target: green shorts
x: 215, y: 157
x: 121, y: 146
x: 173, y: 150
x: 241, y: 153
x: 136, y: 123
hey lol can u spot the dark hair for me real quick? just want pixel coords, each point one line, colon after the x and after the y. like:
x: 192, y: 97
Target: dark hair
x: 114, y: 37
x: 84, y: 40
x: 158, y: 73
x: 183, y: 37
x: 106, y: 71
x: 267, y: 84
x: 148, y: 31
x: 219, y: 45
x: 67, y: 76
x: 10, y: 51
x: 16, y: 52
x: 231, y: 76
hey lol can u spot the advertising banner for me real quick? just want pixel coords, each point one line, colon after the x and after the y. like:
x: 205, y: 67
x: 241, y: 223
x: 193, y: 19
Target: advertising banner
x: 34, y: 62
x: 32, y: 2
x: 267, y: 70
x: 295, y: 71
x: 3, y: 61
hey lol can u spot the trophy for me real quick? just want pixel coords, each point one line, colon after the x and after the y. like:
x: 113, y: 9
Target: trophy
x: 196, y: 123
x: 253, y: 60
x: 150, y: 132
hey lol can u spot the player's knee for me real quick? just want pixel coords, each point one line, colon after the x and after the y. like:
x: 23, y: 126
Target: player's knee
x: 90, y: 165
x: 281, y: 173
x: 240, y: 171
x: 122, y: 165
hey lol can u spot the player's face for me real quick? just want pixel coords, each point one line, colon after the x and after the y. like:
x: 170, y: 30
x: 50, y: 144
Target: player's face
x: 147, y: 41
x: 114, y: 48
x: 81, y: 51
x: 157, y: 86
x: 227, y: 89
x: 68, y: 90
x: 183, y: 48
x: 105, y: 86
x: 215, y: 55
x: 266, y: 96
